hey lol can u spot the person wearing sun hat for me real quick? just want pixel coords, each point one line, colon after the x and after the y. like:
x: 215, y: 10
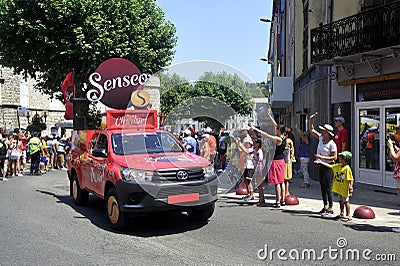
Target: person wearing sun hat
x: 189, y: 142
x: 327, y: 153
x: 247, y: 149
x: 342, y: 182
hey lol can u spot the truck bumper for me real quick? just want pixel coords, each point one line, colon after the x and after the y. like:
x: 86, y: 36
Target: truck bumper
x: 148, y: 197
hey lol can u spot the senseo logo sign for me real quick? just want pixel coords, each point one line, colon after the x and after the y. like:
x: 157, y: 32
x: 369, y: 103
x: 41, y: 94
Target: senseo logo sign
x: 114, y: 82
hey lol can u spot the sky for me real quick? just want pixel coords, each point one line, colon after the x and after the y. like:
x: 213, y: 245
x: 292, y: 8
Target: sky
x: 224, y: 31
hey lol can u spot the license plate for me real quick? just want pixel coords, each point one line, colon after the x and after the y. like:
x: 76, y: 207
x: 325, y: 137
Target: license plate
x: 183, y: 198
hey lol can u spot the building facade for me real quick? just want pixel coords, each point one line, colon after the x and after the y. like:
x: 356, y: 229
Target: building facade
x: 20, y: 102
x: 363, y: 51
x: 345, y: 61
x: 281, y: 55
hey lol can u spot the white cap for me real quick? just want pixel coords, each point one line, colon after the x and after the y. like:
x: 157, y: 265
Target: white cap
x: 187, y: 132
x: 246, y: 127
x: 248, y: 140
x: 208, y: 130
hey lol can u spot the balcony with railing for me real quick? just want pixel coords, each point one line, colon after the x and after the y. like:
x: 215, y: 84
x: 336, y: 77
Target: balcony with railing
x: 366, y: 31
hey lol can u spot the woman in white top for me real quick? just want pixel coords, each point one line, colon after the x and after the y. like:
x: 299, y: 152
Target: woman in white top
x: 15, y: 155
x: 327, y: 152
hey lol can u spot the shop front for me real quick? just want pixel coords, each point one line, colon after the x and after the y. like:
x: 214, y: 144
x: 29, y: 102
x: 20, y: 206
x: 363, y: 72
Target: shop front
x: 377, y: 109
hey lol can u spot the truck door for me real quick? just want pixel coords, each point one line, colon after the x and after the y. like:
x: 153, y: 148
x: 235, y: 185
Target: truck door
x: 99, y: 159
x: 86, y: 162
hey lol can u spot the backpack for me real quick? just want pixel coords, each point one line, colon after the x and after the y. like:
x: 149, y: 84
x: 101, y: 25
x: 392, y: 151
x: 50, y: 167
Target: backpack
x: 3, y: 148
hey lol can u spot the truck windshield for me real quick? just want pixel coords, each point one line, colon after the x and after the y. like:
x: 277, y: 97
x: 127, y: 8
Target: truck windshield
x: 133, y: 143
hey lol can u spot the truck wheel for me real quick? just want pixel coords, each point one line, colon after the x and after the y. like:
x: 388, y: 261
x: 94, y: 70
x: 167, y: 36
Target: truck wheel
x: 202, y: 213
x: 80, y: 196
x: 116, y: 217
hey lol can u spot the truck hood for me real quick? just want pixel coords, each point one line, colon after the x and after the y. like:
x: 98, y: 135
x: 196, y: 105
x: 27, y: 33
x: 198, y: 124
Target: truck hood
x: 151, y: 162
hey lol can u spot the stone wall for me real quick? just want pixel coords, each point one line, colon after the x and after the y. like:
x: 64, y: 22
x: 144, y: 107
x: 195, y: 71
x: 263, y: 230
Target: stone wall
x: 152, y: 87
x: 35, y: 101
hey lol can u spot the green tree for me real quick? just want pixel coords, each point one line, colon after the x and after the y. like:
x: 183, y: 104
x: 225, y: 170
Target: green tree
x: 263, y: 87
x: 174, y: 90
x: 212, y: 99
x: 232, y: 82
x: 48, y: 38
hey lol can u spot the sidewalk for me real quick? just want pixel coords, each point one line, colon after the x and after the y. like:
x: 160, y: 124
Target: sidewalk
x: 384, y: 202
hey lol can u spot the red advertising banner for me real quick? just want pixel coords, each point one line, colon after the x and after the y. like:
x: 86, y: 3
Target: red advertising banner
x: 121, y: 119
x: 68, y: 90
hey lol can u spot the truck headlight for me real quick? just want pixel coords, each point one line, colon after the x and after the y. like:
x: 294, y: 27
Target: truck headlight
x: 209, y: 169
x: 135, y: 175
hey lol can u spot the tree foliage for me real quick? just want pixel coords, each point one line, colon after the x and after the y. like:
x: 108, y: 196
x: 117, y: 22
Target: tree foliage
x: 48, y: 38
x: 264, y: 88
x: 213, y: 98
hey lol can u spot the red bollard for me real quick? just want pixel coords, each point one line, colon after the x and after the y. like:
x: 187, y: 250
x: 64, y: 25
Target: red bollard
x: 364, y: 212
x: 242, y: 190
x: 291, y: 200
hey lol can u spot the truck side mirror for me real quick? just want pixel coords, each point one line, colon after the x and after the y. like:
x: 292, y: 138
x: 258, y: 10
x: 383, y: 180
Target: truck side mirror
x: 99, y: 153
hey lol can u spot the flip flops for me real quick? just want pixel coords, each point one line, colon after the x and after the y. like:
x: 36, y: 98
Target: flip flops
x: 276, y: 205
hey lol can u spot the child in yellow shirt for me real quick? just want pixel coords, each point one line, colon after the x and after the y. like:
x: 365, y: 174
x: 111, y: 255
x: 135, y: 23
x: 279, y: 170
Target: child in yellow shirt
x: 342, y: 182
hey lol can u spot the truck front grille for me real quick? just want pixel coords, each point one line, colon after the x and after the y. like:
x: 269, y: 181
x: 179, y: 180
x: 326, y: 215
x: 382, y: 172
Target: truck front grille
x: 178, y: 190
x: 171, y: 175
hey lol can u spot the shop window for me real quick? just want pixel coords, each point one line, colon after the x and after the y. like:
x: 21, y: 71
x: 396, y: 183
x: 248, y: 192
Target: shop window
x: 370, y: 133
x: 392, y: 120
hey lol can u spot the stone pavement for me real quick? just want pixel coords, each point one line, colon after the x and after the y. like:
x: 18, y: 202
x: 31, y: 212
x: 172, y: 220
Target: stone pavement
x: 384, y: 202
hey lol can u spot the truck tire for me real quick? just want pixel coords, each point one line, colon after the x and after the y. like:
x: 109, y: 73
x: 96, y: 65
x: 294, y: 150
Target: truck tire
x: 116, y: 218
x: 80, y: 196
x: 202, y: 213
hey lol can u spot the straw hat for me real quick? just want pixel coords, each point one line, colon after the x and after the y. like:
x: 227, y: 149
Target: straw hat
x: 328, y: 128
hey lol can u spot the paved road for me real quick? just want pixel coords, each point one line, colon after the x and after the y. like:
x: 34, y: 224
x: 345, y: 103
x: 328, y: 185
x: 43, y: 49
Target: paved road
x: 39, y: 225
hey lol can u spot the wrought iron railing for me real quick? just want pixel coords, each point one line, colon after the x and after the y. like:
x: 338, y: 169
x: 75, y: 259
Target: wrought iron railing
x: 366, y: 31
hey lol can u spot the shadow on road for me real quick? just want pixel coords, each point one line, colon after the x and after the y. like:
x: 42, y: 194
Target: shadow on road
x: 368, y: 195
x: 369, y: 228
x: 144, y: 226
x: 300, y: 212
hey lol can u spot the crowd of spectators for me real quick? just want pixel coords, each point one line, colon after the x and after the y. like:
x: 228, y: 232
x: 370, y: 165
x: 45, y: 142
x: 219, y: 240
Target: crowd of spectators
x: 43, y: 153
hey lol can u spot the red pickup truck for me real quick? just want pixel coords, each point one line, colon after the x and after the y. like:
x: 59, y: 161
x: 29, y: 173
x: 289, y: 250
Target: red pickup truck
x: 138, y: 169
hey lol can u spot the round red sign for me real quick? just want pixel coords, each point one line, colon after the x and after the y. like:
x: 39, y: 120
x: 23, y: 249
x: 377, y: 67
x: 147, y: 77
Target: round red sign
x: 114, y: 82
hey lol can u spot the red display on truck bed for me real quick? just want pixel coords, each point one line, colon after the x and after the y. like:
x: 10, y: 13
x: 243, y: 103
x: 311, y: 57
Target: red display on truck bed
x: 131, y: 119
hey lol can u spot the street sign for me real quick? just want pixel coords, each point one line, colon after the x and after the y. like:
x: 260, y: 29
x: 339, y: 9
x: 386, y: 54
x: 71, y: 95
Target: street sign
x: 21, y: 111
